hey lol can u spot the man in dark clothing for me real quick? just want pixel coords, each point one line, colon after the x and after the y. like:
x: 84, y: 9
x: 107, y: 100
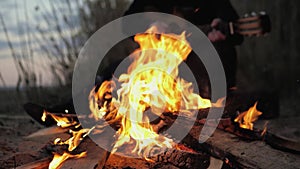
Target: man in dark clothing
x: 211, y: 13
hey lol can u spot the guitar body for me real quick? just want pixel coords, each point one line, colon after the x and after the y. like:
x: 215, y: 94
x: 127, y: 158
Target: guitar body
x: 251, y: 25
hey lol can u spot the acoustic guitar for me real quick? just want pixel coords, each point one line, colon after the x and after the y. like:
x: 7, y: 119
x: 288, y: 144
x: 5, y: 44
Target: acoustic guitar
x: 253, y: 24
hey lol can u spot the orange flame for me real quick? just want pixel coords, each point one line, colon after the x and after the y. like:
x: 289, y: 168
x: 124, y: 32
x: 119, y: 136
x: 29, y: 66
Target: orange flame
x: 72, y: 142
x: 96, y: 97
x: 247, y: 118
x: 63, y: 122
x: 151, y: 83
x: 75, y: 140
x: 59, y: 159
x: 219, y: 103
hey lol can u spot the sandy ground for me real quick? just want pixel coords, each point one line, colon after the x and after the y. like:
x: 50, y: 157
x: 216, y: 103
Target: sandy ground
x: 15, y: 124
x: 14, y: 152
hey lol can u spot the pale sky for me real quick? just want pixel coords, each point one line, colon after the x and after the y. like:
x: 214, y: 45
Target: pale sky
x: 14, y: 14
x: 19, y: 26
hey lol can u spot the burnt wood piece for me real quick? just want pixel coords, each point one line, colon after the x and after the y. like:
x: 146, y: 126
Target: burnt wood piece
x: 282, y: 143
x: 16, y: 148
x: 36, y: 112
x: 171, y: 158
x: 95, y: 154
x: 240, y: 153
x: 272, y: 139
x: 102, y: 161
x: 119, y: 162
x: 183, y: 158
x: 228, y: 125
x: 100, y: 158
x: 40, y: 164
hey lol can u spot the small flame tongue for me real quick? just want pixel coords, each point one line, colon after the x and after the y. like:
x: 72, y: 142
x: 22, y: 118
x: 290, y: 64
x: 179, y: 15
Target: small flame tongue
x: 247, y: 118
x: 73, y: 142
x: 63, y: 122
x: 151, y: 83
x: 59, y: 159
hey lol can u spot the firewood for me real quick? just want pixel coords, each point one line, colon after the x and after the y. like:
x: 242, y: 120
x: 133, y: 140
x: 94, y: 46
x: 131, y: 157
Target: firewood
x: 47, y: 132
x: 102, y: 161
x: 94, y: 155
x: 119, y: 162
x: 215, y: 163
x: 171, y: 158
x: 270, y: 138
x: 239, y: 153
x: 183, y: 158
x: 40, y: 164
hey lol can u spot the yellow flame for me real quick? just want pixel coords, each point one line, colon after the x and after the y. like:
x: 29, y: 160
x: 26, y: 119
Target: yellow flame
x: 75, y: 140
x: 63, y: 122
x: 247, y: 118
x: 219, y: 103
x: 96, y: 97
x: 59, y: 159
x: 151, y: 83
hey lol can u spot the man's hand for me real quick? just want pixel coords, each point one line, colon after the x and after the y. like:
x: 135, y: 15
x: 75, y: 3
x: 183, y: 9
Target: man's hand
x: 216, y: 35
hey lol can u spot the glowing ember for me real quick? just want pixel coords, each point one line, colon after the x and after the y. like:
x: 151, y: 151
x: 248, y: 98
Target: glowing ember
x: 59, y: 159
x: 150, y: 84
x: 247, y: 118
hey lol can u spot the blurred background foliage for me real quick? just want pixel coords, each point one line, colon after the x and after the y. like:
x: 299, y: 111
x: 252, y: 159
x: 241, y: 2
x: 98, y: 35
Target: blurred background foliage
x: 265, y: 63
x: 272, y: 62
x: 63, y: 29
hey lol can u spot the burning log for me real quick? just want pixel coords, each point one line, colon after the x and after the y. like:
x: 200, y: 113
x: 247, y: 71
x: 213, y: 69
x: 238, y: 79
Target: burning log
x: 174, y: 158
x: 242, y: 126
x: 96, y: 157
x: 94, y: 154
x: 239, y: 153
x: 164, y: 121
x: 186, y: 158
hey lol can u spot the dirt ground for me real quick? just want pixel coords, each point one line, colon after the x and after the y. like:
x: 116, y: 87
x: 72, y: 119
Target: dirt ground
x: 15, y: 124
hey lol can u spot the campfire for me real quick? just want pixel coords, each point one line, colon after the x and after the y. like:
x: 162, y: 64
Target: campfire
x: 142, y: 103
x: 151, y: 85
